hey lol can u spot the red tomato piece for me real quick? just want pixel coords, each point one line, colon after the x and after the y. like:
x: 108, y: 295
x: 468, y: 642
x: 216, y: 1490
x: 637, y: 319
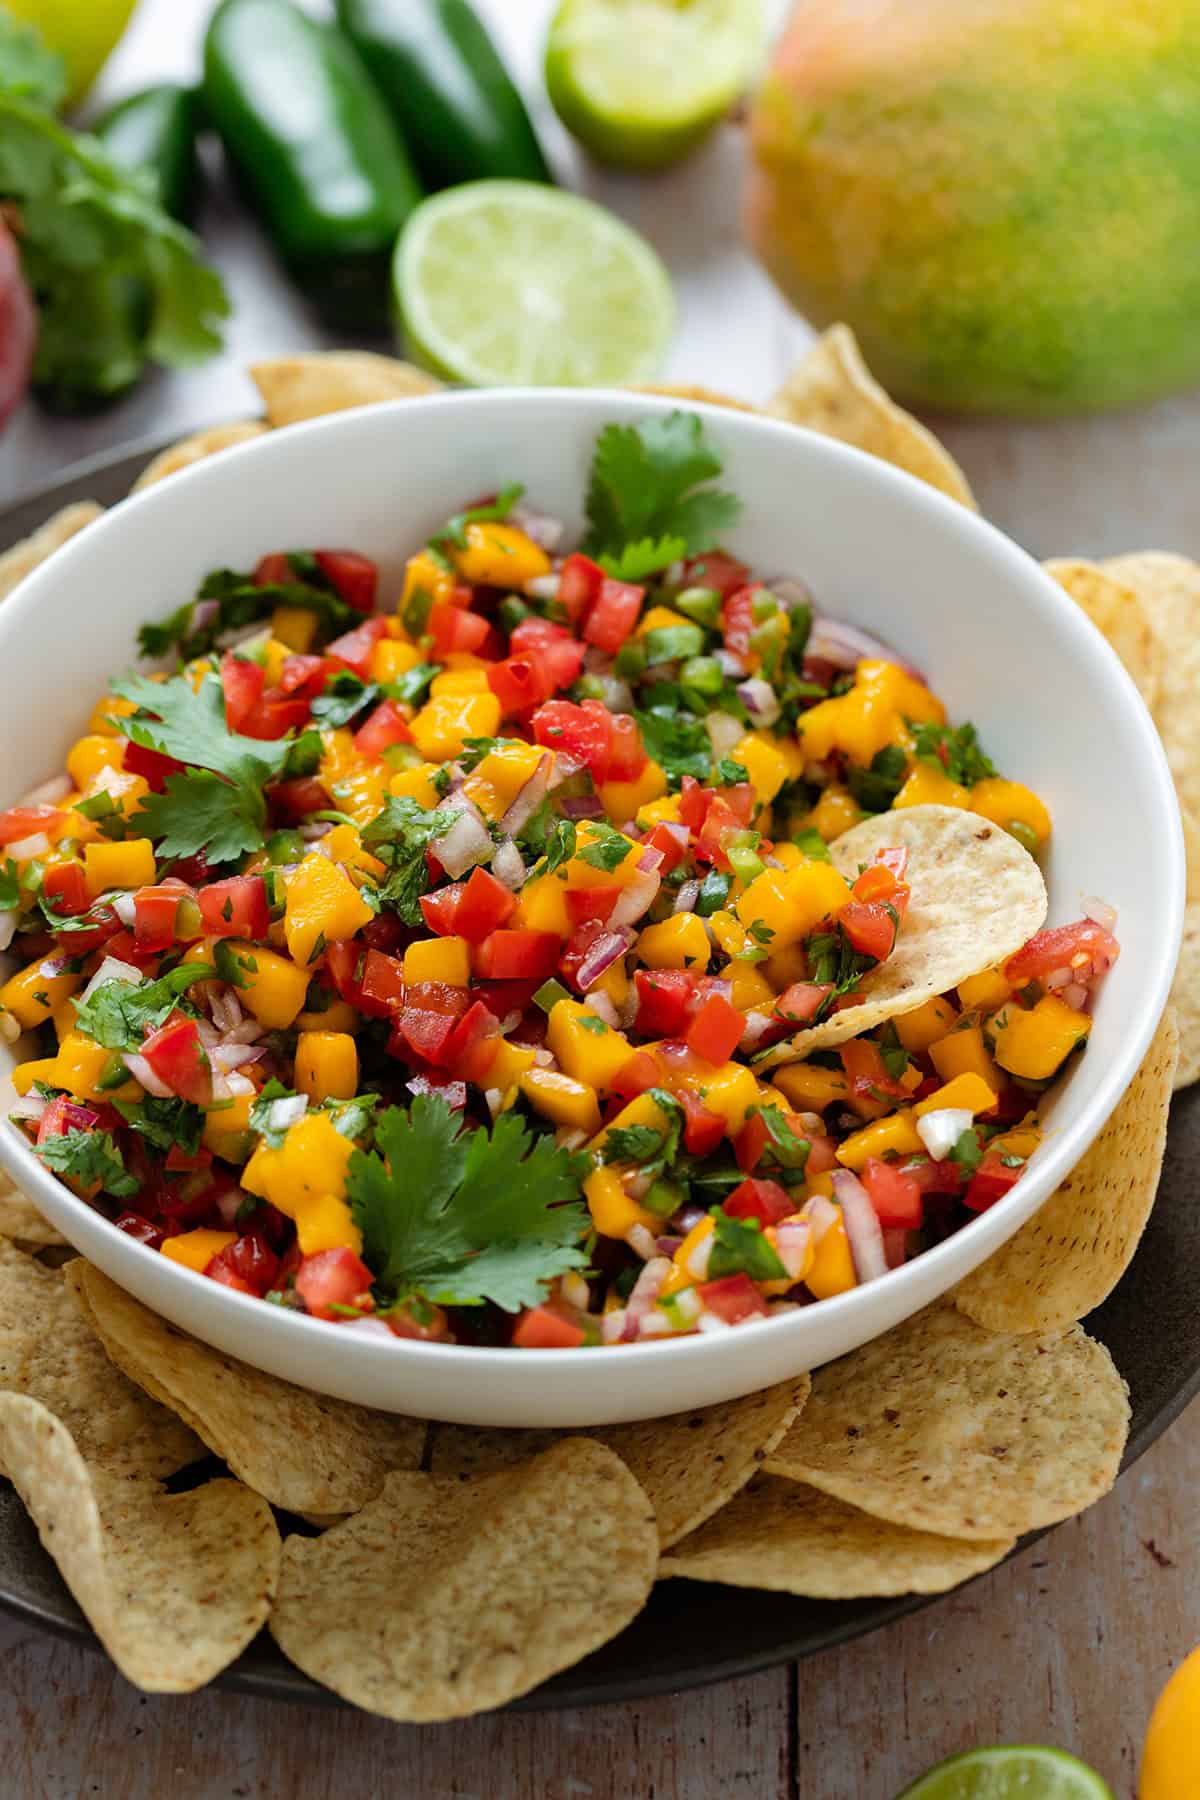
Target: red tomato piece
x: 693, y: 803
x: 274, y: 570
x: 553, y: 647
x: 151, y: 765
x: 802, y: 1001
x: 382, y: 979
x: 243, y: 682
x: 715, y: 1030
x: 472, y: 1046
x: 119, y: 943
x: 27, y: 821
x: 186, y: 1162
x: 180, y: 1060
x: 440, y: 908
x: 141, y: 1230
x: 517, y: 955
x: 384, y: 727
x: 877, y: 882
x: 584, y: 732
x: 505, y: 997
x: 423, y: 1033
x: 750, y: 1142
x: 671, y: 845
x: 1063, y: 947
x: 869, y: 927
x: 57, y: 1120
x: 296, y: 799
x: 733, y: 1298
x: 519, y: 683
x: 714, y: 569
x: 354, y: 648
x: 332, y: 1278
x: 484, y: 906
x: 548, y: 1327
x: 586, y: 905
x: 867, y: 1072
x: 894, y: 860
x: 65, y: 888
x: 236, y: 908
x: 990, y: 1182
x: 895, y: 1194
x: 703, y: 1129
x: 275, y: 715
x: 353, y: 578
x: 755, y: 1198
x: 666, y: 998
x: 627, y: 755
x: 155, y: 910
x: 638, y: 1074
x: 579, y: 583
x: 304, y: 675
x: 454, y: 629
x: 613, y: 614
x: 935, y: 1177
x: 737, y: 618
x: 252, y: 1261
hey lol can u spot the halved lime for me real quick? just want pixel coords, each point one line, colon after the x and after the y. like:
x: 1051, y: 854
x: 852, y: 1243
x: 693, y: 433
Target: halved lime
x: 502, y: 283
x: 640, y: 82
x: 1010, y: 1772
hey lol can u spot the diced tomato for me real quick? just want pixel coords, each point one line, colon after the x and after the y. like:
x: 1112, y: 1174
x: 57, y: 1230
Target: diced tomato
x: 728, y: 811
x: 332, y: 1278
x: 671, y: 844
x: 1063, y: 947
x: 155, y: 910
x: 519, y: 683
x: 990, y: 1182
x: 61, y: 1116
x: 27, y: 821
x: 454, y: 629
x: 714, y: 569
x: 151, y: 765
x: 386, y: 932
x: 440, y: 908
x: 354, y: 648
x: 867, y: 1072
x: 636, y: 1076
x: 484, y: 906
x: 737, y: 618
x: 186, y: 1162
x: 613, y: 614
x: 274, y: 570
x: 384, y: 727
x: 703, y: 1129
x: 517, y: 955
x: 353, y: 577
x: 472, y: 1046
x: 693, y: 802
x: 275, y: 715
x: 423, y: 1033
x: 119, y: 943
x: 548, y: 1327
x: 895, y: 1195
x: 894, y: 860
x: 579, y: 583
x: 382, y: 980
x: 869, y: 927
x: 179, y: 1059
x: 802, y: 1001
x: 251, y: 1262
x: 295, y: 800
x: 733, y: 1298
x: 750, y: 1142
x: 304, y: 675
x: 504, y: 997
x: 759, y: 1199
x: 235, y: 908
x: 553, y: 647
x: 584, y: 732
x: 822, y: 1155
x: 666, y: 998
x: 65, y: 888
x: 934, y: 1177
x: 591, y: 904
x: 715, y: 1030
x: 877, y: 882
x: 141, y: 1230
x: 627, y: 754
x: 243, y: 682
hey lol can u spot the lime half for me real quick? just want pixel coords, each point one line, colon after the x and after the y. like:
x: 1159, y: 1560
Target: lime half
x: 1014, y: 1772
x: 640, y: 82
x: 502, y: 283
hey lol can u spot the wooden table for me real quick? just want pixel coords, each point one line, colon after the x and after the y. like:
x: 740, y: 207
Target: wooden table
x: 1068, y: 1644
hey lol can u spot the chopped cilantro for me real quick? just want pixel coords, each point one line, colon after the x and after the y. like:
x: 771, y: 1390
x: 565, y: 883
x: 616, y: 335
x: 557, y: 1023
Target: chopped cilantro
x: 120, y: 1013
x: 260, y: 1112
x: 164, y: 1122
x: 344, y: 695
x: 968, y: 1151
x: 90, y: 1159
x: 645, y: 505
x: 413, y: 685
x: 679, y: 741
x: 810, y: 841
x: 649, y: 1148
x: 876, y: 787
x: 240, y: 602
x: 608, y: 847
x: 786, y: 1146
x: 956, y: 752
x: 739, y: 1248
x: 454, y: 531
x: 399, y: 836
x: 591, y: 1022
x: 10, y: 887
x: 728, y: 773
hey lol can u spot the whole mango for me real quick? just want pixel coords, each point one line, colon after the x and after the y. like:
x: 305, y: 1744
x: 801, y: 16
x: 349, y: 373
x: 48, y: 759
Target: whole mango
x: 1001, y: 197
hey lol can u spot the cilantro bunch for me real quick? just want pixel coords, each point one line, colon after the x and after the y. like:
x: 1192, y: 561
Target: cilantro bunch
x: 646, y: 505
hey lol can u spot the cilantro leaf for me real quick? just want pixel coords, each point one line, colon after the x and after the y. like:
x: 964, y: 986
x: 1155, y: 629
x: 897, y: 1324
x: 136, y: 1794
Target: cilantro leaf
x: 89, y: 1158
x: 784, y: 1146
x: 454, y: 531
x: 560, y: 845
x: 729, y: 773
x: 957, y: 753
x: 876, y: 787
x: 968, y: 1151
x: 10, y: 887
x: 199, y: 811
x: 739, y: 1248
x: 412, y: 686
x: 119, y: 1013
x: 679, y: 741
x: 27, y: 67
x: 240, y: 602
x: 399, y: 837
x: 345, y: 694
x: 633, y: 1144
x: 461, y: 1218
x: 607, y: 849
x: 645, y: 506
x: 164, y: 1122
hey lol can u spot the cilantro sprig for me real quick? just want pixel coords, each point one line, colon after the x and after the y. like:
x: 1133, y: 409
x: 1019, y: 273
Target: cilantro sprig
x: 120, y: 1013
x: 90, y: 1158
x: 241, y: 601
x: 399, y: 836
x: 956, y: 751
x: 462, y: 1217
x: 646, y: 506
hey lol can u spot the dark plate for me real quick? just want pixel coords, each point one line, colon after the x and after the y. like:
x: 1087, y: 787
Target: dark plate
x: 692, y: 1633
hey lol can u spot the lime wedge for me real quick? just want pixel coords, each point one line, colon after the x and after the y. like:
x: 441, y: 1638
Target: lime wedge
x: 1014, y: 1772
x: 640, y: 82
x: 503, y: 283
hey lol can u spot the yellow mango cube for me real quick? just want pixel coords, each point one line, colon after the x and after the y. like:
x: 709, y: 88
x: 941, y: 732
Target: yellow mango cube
x: 542, y: 905
x: 326, y: 1223
x: 809, y: 1088
x: 561, y: 1099
x: 444, y: 723
x: 623, y: 800
x: 1010, y: 803
x: 965, y: 1053
x: 500, y: 555
x: 984, y: 993
x: 196, y: 1249
x: 276, y: 988
x: 124, y: 865
x: 644, y: 1110
x: 730, y: 1090
x: 32, y: 997
x: 590, y: 1055
x: 895, y: 1135
x: 750, y: 991
x: 81, y: 1065
x: 1035, y: 1044
x: 765, y: 762
x: 509, y: 1064
x: 930, y: 787
x: 416, y: 784
x: 680, y: 942
x: 832, y: 1270
x: 391, y: 658
x: 925, y: 1024
x: 227, y: 1129
x: 614, y: 1214
x: 310, y: 1163
x: 88, y: 755
x: 295, y: 626
x: 326, y: 1065
x: 836, y: 811
x: 323, y: 907
x: 445, y: 959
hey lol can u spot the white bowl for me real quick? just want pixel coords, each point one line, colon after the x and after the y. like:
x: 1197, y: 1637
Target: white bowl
x: 998, y: 640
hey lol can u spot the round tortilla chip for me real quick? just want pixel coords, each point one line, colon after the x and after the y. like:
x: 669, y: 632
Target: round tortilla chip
x: 299, y: 1450
x: 327, y: 381
x: 791, y: 1539
x: 1119, y: 615
x: 22, y: 558
x: 174, y: 1586
x: 196, y: 448
x: 1169, y: 589
x: 688, y: 392
x: 21, y: 1221
x: 1070, y: 1255
x: 942, y: 1426
x: 447, y: 1596
x: 977, y: 896
x: 833, y: 391
x: 50, y: 1353
x: 1185, y: 990
x: 690, y: 1465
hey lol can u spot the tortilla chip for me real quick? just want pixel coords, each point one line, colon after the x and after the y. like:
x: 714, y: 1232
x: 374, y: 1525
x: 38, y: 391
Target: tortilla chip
x: 833, y: 391
x: 690, y: 1464
x: 1169, y: 589
x: 328, y: 381
x: 942, y: 1426
x: 1119, y: 615
x: 447, y: 1596
x: 21, y: 1221
x: 299, y: 1450
x: 792, y: 1539
x: 1185, y: 990
x: 22, y: 558
x: 687, y: 392
x: 1070, y: 1255
x: 196, y: 448
x: 977, y: 896
x: 50, y: 1353
x: 175, y: 1586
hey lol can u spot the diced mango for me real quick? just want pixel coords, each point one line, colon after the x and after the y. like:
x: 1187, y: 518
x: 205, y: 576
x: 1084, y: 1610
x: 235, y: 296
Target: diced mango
x: 129, y: 864
x: 966, y: 1093
x: 791, y: 903
x: 930, y: 787
x: 88, y: 755
x: 614, y: 1214
x: 31, y: 997
x: 391, y: 658
x: 965, y: 1053
x: 765, y: 762
x: 661, y: 618
x: 836, y: 811
x: 510, y: 1062
x: 542, y: 905
x: 295, y: 626
x: 344, y: 845
x: 323, y: 907
x: 680, y: 942
x: 310, y: 1163
x: 275, y: 988
x: 337, y: 1016
x: 561, y: 1099
x: 1035, y: 1044
x: 416, y: 784
x: 274, y: 654
x: 642, y: 1111
x: 326, y: 1223
x: 749, y: 989
x: 682, y: 1274
x: 227, y: 1129
x: 729, y: 934
x: 925, y: 1024
x: 583, y: 874
x: 832, y: 1270
x: 623, y: 800
x: 500, y: 555
x: 870, y: 716
x: 590, y: 1055
x: 785, y: 965
x: 82, y: 1065
x: 1011, y: 802
x: 730, y: 1090
x: 361, y: 790
x: 106, y: 711
x: 499, y: 777
x: 984, y: 993
x: 469, y: 677
x: 326, y: 1065
x: 897, y: 1133
x: 425, y: 574
x: 444, y: 724
x: 809, y: 1088
x: 445, y: 959
x: 40, y: 1068
x: 659, y: 812
x: 196, y: 1249
x: 614, y: 983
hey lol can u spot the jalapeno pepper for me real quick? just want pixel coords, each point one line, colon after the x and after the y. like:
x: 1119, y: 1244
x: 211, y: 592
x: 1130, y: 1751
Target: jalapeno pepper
x: 155, y: 130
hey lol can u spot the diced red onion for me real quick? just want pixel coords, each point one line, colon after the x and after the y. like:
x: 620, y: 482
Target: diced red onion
x: 617, y: 695
x: 526, y: 802
x: 790, y: 592
x: 9, y: 919
x: 755, y: 1029
x: 565, y: 768
x: 608, y: 948
x: 125, y: 907
x: 508, y: 865
x: 687, y: 1217
x: 10, y: 1030
x: 696, y: 1260
x: 144, y: 1075
x: 821, y: 1214
x: 895, y: 1246
x: 229, y: 1204
x: 604, y: 1009
x: 1058, y: 978
x: 645, y: 1290
x: 612, y: 1325
x: 208, y: 1034
x: 845, y: 646
x: 286, y: 1112
x: 545, y: 531
x: 711, y: 1324
x: 582, y: 806
x: 1100, y: 912
x: 654, y: 1324
x: 1076, y: 995
x: 793, y: 1238
x: 246, y: 637
x: 667, y: 1246
x: 367, y: 1327
x: 28, y: 847
x: 29, y: 1106
x: 467, y: 842
x: 640, y: 1241
x: 235, y: 1083
x: 863, y: 1232
x: 49, y: 793
x: 649, y: 860
x: 247, y: 1031
x: 236, y: 1056
x: 635, y: 898
x: 939, y: 1131
x: 111, y: 969
x: 542, y: 587
x: 225, y: 1008
x: 731, y: 664
x: 724, y: 731
x: 315, y: 830
x: 760, y: 700
x: 686, y: 898
x: 204, y: 614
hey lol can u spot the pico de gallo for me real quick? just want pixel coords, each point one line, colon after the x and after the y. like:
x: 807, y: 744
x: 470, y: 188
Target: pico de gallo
x: 407, y: 965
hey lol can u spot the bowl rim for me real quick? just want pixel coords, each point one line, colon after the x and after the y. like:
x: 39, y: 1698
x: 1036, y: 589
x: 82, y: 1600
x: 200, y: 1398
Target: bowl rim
x: 981, y: 539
